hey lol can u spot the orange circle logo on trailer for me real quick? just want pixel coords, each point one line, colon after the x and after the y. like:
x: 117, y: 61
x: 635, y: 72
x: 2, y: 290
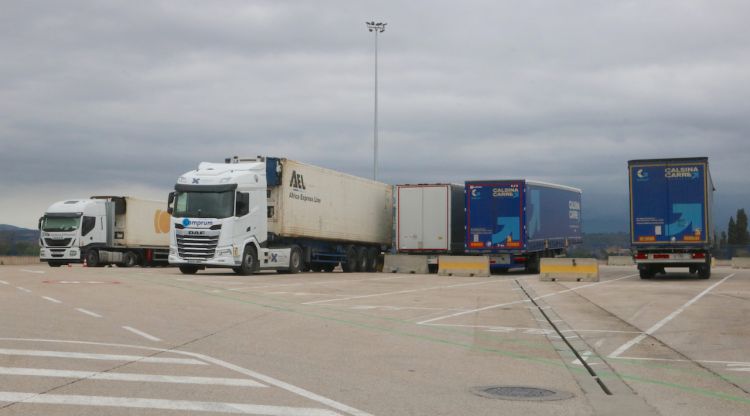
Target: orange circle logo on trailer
x: 161, y: 221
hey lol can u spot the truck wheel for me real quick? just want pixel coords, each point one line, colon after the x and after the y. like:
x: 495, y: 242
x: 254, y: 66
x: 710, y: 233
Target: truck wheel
x: 372, y: 259
x: 295, y: 260
x: 249, y: 261
x: 704, y: 272
x: 361, y: 259
x: 187, y: 269
x: 532, y: 265
x: 129, y: 259
x: 350, y: 264
x: 646, y: 273
x: 92, y: 258
x: 54, y: 264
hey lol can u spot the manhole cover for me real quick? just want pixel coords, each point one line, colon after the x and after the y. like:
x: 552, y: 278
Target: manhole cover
x: 520, y: 393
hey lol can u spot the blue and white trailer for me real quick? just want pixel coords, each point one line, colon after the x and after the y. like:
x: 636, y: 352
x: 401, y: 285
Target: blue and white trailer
x: 518, y: 222
x: 670, y: 215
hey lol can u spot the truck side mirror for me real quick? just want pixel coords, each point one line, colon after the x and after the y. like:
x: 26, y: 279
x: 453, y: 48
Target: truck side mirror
x: 170, y: 201
x: 39, y: 225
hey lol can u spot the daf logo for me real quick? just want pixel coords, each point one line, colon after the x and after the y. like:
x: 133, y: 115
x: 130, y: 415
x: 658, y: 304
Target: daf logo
x: 196, y: 232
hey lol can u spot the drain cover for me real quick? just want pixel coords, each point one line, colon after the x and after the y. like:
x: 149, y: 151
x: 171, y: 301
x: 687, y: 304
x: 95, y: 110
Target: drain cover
x: 520, y: 393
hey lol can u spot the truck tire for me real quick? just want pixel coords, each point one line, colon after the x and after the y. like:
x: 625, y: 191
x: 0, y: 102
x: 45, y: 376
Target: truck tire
x: 249, y: 262
x: 532, y: 264
x: 92, y: 258
x: 372, y: 259
x: 188, y: 269
x: 646, y: 273
x: 704, y: 272
x: 295, y: 260
x: 129, y: 259
x: 361, y: 259
x: 54, y: 264
x: 350, y: 264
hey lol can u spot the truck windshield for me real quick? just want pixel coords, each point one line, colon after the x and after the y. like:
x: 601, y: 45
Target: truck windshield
x: 60, y: 223
x: 204, y: 204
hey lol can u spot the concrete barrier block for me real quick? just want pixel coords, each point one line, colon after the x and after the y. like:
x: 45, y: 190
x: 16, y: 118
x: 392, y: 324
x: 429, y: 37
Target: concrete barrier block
x: 18, y: 260
x: 468, y: 266
x: 405, y: 263
x: 741, y: 262
x: 569, y: 270
x: 620, y: 261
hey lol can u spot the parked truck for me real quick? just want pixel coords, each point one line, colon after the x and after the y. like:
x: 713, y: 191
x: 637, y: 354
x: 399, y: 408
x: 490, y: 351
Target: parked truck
x: 270, y: 213
x: 518, y: 222
x: 671, y: 203
x: 102, y: 230
x: 429, y: 220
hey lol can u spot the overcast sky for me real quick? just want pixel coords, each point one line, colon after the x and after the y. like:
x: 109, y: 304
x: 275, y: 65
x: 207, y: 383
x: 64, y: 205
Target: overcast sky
x: 107, y: 97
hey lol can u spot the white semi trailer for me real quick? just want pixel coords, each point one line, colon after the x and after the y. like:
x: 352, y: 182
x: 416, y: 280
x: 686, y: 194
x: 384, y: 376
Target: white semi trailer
x: 102, y: 230
x: 270, y: 213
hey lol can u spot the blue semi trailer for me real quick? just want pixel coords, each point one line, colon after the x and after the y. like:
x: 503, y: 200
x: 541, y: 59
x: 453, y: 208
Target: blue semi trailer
x: 518, y: 222
x: 670, y: 215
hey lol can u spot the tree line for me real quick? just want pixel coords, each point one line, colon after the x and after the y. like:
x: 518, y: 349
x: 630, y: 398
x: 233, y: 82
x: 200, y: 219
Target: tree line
x: 737, y: 233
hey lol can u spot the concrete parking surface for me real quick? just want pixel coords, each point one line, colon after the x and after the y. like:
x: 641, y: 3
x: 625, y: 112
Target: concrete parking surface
x: 117, y: 341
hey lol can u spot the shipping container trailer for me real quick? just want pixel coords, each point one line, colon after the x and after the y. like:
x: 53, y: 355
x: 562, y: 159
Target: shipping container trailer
x: 671, y: 202
x: 518, y: 222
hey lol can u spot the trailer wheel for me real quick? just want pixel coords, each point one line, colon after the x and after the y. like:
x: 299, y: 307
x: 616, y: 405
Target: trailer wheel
x: 361, y: 265
x: 704, y: 272
x: 532, y: 264
x: 249, y: 261
x: 646, y: 273
x: 295, y: 260
x: 92, y: 258
x: 130, y: 259
x: 187, y: 269
x: 372, y: 259
x: 351, y: 260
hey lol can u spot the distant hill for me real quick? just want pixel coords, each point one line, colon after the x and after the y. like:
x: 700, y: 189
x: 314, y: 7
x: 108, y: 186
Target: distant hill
x: 18, y: 241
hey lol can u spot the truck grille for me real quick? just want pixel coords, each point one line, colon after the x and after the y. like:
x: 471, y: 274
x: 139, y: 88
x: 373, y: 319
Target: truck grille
x: 57, y: 243
x: 197, y: 247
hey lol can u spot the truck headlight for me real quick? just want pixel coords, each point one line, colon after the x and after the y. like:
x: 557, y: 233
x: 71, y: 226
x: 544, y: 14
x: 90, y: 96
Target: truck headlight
x: 224, y: 252
x: 73, y: 252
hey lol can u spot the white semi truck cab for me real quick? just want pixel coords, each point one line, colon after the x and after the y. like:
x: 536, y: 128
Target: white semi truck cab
x: 69, y: 228
x: 276, y: 214
x: 104, y: 230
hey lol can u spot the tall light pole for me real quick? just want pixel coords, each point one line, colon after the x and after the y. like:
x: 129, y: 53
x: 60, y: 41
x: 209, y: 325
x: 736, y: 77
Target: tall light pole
x: 375, y: 28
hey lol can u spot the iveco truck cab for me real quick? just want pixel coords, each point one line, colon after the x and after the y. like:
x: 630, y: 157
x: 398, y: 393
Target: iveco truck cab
x: 104, y: 230
x: 70, y: 228
x: 276, y: 214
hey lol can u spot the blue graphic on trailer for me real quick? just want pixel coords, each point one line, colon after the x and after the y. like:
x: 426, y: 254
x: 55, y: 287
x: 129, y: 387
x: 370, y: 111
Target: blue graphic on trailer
x: 690, y: 217
x: 509, y: 226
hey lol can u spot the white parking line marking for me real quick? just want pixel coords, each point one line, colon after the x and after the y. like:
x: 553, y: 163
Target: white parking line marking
x: 88, y: 312
x: 32, y: 271
x: 23, y: 289
x: 500, y: 305
x: 183, y: 405
x: 4, y: 282
x: 141, y: 333
x: 149, y: 378
x: 53, y: 300
x: 624, y: 347
x: 206, y: 359
x: 403, y: 291
x: 103, y: 357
